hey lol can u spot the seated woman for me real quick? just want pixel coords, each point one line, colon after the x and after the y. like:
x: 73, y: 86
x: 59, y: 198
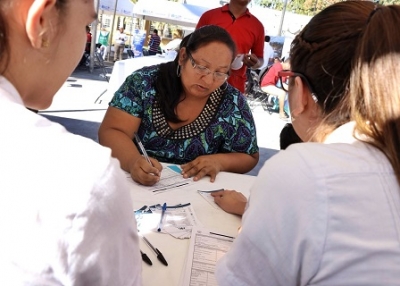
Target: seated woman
x: 327, y: 213
x: 270, y: 84
x: 184, y: 112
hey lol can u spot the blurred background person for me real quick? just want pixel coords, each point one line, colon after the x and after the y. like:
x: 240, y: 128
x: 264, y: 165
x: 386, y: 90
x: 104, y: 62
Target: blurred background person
x: 154, y: 43
x: 174, y: 44
x: 86, y: 53
x: 119, y: 44
x: 103, y: 41
x: 270, y: 84
x: 269, y: 53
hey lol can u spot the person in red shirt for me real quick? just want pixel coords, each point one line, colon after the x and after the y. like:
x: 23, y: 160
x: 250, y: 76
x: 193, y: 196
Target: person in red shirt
x: 269, y: 84
x: 88, y: 39
x: 247, y: 32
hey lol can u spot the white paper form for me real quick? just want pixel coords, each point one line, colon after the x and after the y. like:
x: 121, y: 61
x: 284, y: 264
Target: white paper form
x: 170, y: 178
x: 210, y: 199
x: 206, y: 248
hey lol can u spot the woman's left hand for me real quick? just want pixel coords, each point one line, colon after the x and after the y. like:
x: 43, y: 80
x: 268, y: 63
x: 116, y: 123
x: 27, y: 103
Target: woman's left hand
x: 230, y: 201
x: 200, y: 167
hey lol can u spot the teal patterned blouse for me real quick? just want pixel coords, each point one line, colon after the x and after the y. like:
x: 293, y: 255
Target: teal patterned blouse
x: 225, y: 125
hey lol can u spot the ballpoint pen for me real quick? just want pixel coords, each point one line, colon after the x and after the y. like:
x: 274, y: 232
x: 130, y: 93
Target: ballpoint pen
x: 144, y: 153
x: 159, y: 254
x: 164, y: 207
x: 145, y: 258
x: 211, y: 191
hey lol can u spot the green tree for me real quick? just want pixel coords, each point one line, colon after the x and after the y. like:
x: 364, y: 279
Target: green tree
x: 308, y: 7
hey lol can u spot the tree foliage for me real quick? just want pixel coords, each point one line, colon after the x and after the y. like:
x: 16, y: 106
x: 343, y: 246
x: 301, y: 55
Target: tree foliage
x: 307, y: 7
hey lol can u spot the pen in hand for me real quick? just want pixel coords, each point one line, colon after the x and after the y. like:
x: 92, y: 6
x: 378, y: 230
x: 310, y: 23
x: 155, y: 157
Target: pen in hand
x: 164, y: 207
x: 159, y: 254
x: 141, y: 147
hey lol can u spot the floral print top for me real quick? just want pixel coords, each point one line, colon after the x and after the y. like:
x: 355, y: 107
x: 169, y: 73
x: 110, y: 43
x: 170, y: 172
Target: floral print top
x: 225, y: 125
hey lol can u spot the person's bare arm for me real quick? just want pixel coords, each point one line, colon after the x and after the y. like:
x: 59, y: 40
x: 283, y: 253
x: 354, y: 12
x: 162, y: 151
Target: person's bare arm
x: 116, y: 132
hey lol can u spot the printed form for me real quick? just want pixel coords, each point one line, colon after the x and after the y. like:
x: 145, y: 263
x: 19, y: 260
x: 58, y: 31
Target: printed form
x: 170, y: 178
x: 206, y: 248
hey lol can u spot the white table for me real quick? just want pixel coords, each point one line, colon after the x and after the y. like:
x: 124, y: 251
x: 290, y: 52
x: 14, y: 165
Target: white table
x: 124, y: 68
x: 175, y: 250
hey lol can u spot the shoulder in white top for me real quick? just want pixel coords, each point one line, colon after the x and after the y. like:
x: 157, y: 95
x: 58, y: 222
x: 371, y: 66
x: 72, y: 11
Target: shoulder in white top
x: 319, y: 214
x: 64, y: 205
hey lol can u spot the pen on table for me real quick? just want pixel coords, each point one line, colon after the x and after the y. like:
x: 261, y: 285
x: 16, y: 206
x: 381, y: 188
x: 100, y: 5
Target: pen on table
x: 211, y: 191
x: 164, y: 207
x: 223, y: 235
x: 159, y: 254
x: 145, y: 258
x: 141, y: 147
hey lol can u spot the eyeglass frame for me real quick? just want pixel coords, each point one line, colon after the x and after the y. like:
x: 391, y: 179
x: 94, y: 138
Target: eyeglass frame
x: 288, y: 73
x: 200, y: 69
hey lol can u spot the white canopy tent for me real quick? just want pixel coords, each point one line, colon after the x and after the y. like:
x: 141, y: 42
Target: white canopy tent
x: 115, y: 7
x: 169, y: 12
x: 124, y: 7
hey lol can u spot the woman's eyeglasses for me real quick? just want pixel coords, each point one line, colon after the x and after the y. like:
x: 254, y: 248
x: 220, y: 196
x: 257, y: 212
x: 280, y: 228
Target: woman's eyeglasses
x: 285, y: 75
x: 202, y: 70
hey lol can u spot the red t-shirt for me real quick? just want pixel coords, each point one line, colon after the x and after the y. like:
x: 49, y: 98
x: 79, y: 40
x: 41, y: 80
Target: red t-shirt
x: 88, y: 41
x: 246, y: 31
x: 271, y: 77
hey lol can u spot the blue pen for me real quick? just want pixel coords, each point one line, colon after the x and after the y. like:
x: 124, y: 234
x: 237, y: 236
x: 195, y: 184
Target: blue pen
x: 164, y: 207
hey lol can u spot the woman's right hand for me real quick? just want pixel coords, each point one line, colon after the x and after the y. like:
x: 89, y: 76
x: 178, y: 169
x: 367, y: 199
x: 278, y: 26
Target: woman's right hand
x: 144, y: 173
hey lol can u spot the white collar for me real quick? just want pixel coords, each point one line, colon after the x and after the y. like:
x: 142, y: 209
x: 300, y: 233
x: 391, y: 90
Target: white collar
x: 342, y: 134
x: 9, y: 91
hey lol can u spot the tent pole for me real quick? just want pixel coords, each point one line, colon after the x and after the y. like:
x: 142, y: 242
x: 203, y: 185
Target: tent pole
x: 282, y: 18
x: 112, y: 30
x: 94, y: 37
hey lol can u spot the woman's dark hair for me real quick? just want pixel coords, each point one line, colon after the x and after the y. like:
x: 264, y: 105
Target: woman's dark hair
x: 168, y: 84
x: 324, y: 52
x: 374, y: 92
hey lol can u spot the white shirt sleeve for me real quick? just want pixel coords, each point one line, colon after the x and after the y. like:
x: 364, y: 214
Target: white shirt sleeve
x: 101, y: 247
x: 274, y: 245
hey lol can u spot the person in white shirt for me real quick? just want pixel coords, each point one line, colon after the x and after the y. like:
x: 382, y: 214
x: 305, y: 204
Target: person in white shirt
x: 174, y: 43
x: 326, y: 212
x: 65, y: 209
x: 119, y: 44
x: 269, y: 54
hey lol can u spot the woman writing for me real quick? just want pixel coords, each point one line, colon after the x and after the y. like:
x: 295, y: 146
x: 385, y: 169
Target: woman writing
x: 184, y: 113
